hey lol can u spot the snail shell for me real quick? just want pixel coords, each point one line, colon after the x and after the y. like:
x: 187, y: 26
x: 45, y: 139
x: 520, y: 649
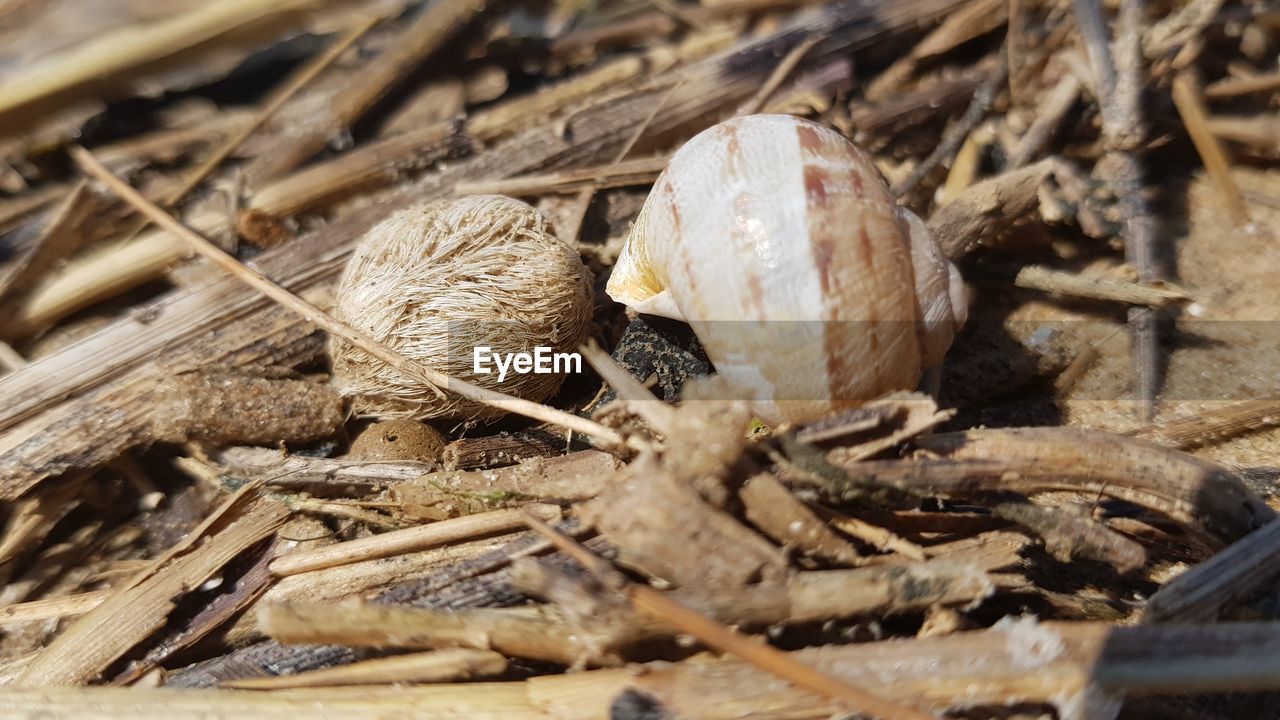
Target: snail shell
x: 779, y: 242
x: 435, y: 281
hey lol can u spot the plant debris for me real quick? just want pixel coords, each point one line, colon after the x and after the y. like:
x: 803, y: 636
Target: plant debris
x: 1072, y: 517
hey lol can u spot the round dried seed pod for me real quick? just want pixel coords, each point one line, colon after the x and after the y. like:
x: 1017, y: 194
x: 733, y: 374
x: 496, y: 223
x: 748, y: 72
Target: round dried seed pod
x: 401, y: 439
x: 439, y: 280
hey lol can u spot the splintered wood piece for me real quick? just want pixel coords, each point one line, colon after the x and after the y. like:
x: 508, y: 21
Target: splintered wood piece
x: 897, y: 418
x: 535, y: 633
x: 1015, y: 662
x: 979, y: 215
x: 661, y: 524
x: 1069, y: 535
x: 437, y: 666
x: 1198, y: 594
x: 771, y: 507
x: 1037, y: 277
x: 640, y: 171
x: 142, y: 605
x: 429, y: 566
x: 57, y: 607
x: 994, y: 550
x: 875, y: 536
x: 1215, y: 425
x: 1198, y: 494
x: 408, y: 540
x: 240, y: 594
x: 492, y: 451
x: 75, y: 408
x: 572, y: 477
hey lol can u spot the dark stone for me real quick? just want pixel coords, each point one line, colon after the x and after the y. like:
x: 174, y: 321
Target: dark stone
x: 666, y: 348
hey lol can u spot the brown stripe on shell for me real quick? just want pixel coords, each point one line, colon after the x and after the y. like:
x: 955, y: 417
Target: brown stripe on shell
x: 840, y: 332
x: 732, y: 149
x: 840, y: 363
x: 811, y: 142
x: 816, y: 182
x: 873, y: 322
x: 856, y: 182
x: 668, y: 200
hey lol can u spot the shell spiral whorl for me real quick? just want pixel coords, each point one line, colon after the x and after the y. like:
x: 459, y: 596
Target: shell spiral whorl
x: 779, y: 242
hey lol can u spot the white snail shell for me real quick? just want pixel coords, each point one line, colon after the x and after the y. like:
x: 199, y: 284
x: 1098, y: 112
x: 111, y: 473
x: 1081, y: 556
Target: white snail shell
x: 779, y: 242
x: 437, y: 280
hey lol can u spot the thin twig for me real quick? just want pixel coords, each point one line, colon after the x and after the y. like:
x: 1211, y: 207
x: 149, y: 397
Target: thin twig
x: 424, y: 36
x: 300, y: 80
x: 955, y: 136
x: 1038, y: 277
x: 780, y: 74
x: 1190, y: 104
x: 1118, y: 83
x: 1215, y: 425
x: 641, y: 171
x: 583, y: 202
x: 1234, y: 87
x: 1048, y: 116
x: 398, y: 542
x: 330, y: 324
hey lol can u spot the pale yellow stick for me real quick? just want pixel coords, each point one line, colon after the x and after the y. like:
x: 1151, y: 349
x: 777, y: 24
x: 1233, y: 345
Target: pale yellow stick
x: 409, y: 540
x: 1037, y: 277
x: 1186, y: 97
x: 447, y: 665
x: 52, y: 608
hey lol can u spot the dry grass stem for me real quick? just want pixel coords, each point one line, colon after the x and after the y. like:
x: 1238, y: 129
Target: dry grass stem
x: 407, y: 540
x: 1186, y: 96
